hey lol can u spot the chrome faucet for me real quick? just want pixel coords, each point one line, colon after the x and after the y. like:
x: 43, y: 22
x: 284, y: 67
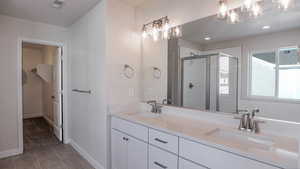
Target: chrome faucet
x: 156, y: 108
x: 248, y: 121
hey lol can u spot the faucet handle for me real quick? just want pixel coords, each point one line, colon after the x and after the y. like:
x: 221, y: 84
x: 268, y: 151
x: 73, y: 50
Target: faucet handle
x: 254, y: 111
x: 243, y: 111
x: 256, y: 128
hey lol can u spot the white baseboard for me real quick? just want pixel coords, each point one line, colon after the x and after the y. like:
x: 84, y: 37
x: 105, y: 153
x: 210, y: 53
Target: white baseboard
x: 86, y: 155
x: 8, y: 153
x: 50, y: 122
x: 32, y: 115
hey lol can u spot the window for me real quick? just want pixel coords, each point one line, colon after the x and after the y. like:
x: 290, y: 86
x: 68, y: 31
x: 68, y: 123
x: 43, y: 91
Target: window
x: 276, y: 74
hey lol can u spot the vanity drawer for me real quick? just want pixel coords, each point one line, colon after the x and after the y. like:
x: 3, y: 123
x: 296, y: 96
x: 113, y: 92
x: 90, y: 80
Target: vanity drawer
x: 132, y: 129
x: 163, y: 140
x: 160, y: 159
x: 184, y: 164
x: 215, y: 158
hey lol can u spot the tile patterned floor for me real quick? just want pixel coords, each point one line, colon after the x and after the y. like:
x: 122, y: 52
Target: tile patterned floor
x: 43, y: 151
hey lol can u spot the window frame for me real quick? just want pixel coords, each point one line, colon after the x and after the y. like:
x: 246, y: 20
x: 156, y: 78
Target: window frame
x: 274, y: 98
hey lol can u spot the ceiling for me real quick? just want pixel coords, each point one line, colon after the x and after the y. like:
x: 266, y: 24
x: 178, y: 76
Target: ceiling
x: 134, y: 3
x: 42, y: 10
x: 219, y: 30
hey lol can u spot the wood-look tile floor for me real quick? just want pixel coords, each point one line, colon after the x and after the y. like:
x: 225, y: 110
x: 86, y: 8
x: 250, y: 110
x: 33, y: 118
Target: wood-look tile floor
x: 43, y: 151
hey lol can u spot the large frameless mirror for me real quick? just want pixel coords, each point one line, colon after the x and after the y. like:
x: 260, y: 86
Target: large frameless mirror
x: 222, y: 66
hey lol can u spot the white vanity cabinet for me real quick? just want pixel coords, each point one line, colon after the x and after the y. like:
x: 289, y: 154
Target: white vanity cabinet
x: 160, y: 159
x: 216, y: 159
x: 128, y: 152
x: 184, y: 164
x: 136, y: 146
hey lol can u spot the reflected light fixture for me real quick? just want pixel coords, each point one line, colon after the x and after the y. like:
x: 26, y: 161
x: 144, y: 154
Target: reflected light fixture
x: 256, y: 10
x: 160, y: 28
x: 233, y: 17
x: 223, y: 9
x: 266, y: 27
x: 284, y: 4
x: 207, y: 38
x: 247, y: 5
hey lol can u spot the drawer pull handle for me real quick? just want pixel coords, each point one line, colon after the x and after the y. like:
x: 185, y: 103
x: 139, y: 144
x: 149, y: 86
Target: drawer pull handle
x: 160, y: 165
x: 159, y: 140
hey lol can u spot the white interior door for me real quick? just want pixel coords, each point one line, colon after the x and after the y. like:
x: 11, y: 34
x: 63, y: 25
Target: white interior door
x: 57, y: 95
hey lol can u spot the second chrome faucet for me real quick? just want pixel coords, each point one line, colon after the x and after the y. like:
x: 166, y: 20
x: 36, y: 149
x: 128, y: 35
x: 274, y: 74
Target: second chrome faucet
x: 248, y: 121
x: 155, y: 107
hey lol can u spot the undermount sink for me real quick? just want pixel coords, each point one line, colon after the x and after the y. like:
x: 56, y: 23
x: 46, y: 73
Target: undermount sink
x: 149, y: 114
x: 252, y: 141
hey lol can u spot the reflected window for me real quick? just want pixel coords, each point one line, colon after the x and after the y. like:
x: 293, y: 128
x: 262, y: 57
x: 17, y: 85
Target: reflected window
x: 263, y: 74
x: 224, y: 75
x: 289, y: 73
x: 276, y: 73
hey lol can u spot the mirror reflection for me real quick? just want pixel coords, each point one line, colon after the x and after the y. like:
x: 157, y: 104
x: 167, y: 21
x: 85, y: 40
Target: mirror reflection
x: 222, y: 66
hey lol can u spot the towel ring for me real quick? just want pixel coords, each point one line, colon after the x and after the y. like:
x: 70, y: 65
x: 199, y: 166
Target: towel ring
x: 128, y: 71
x: 156, y: 73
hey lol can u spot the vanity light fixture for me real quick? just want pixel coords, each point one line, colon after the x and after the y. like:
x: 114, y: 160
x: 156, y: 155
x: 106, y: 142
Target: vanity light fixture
x: 247, y: 5
x: 161, y: 29
x: 284, y: 4
x: 256, y: 10
x: 223, y: 9
x: 233, y: 17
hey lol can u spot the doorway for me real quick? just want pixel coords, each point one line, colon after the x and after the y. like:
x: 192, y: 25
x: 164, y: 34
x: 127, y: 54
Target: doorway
x: 41, y: 95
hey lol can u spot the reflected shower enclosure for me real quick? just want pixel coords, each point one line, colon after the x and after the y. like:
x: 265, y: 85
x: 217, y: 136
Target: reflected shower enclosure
x: 205, y: 82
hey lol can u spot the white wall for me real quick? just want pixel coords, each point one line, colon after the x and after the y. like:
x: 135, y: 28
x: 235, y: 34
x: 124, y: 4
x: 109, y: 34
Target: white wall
x: 123, y: 47
x: 88, y: 116
x: 102, y: 42
x: 11, y: 30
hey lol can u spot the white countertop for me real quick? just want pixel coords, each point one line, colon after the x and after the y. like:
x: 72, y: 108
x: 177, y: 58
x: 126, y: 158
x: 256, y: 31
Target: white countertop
x: 284, y: 152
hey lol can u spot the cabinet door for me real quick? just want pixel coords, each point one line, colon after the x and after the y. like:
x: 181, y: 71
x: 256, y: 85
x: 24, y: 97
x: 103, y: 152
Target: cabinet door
x: 184, y: 164
x: 119, y: 150
x: 137, y: 154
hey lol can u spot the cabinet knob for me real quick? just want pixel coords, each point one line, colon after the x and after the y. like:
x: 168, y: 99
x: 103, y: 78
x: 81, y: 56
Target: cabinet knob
x: 125, y: 138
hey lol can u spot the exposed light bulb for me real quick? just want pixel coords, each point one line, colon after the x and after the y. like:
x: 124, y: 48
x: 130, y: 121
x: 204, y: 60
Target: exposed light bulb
x: 233, y: 17
x: 155, y: 34
x: 284, y: 4
x: 247, y: 4
x: 256, y: 10
x: 144, y: 34
x: 177, y: 31
x: 166, y: 34
x: 223, y: 9
x: 166, y: 28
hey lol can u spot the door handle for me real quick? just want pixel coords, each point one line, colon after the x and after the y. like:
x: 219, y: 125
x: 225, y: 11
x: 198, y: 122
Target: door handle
x: 82, y: 91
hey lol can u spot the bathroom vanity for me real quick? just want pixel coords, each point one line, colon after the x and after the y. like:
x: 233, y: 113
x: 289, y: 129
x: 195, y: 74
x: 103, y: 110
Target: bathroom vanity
x: 248, y: 70
x: 168, y: 141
